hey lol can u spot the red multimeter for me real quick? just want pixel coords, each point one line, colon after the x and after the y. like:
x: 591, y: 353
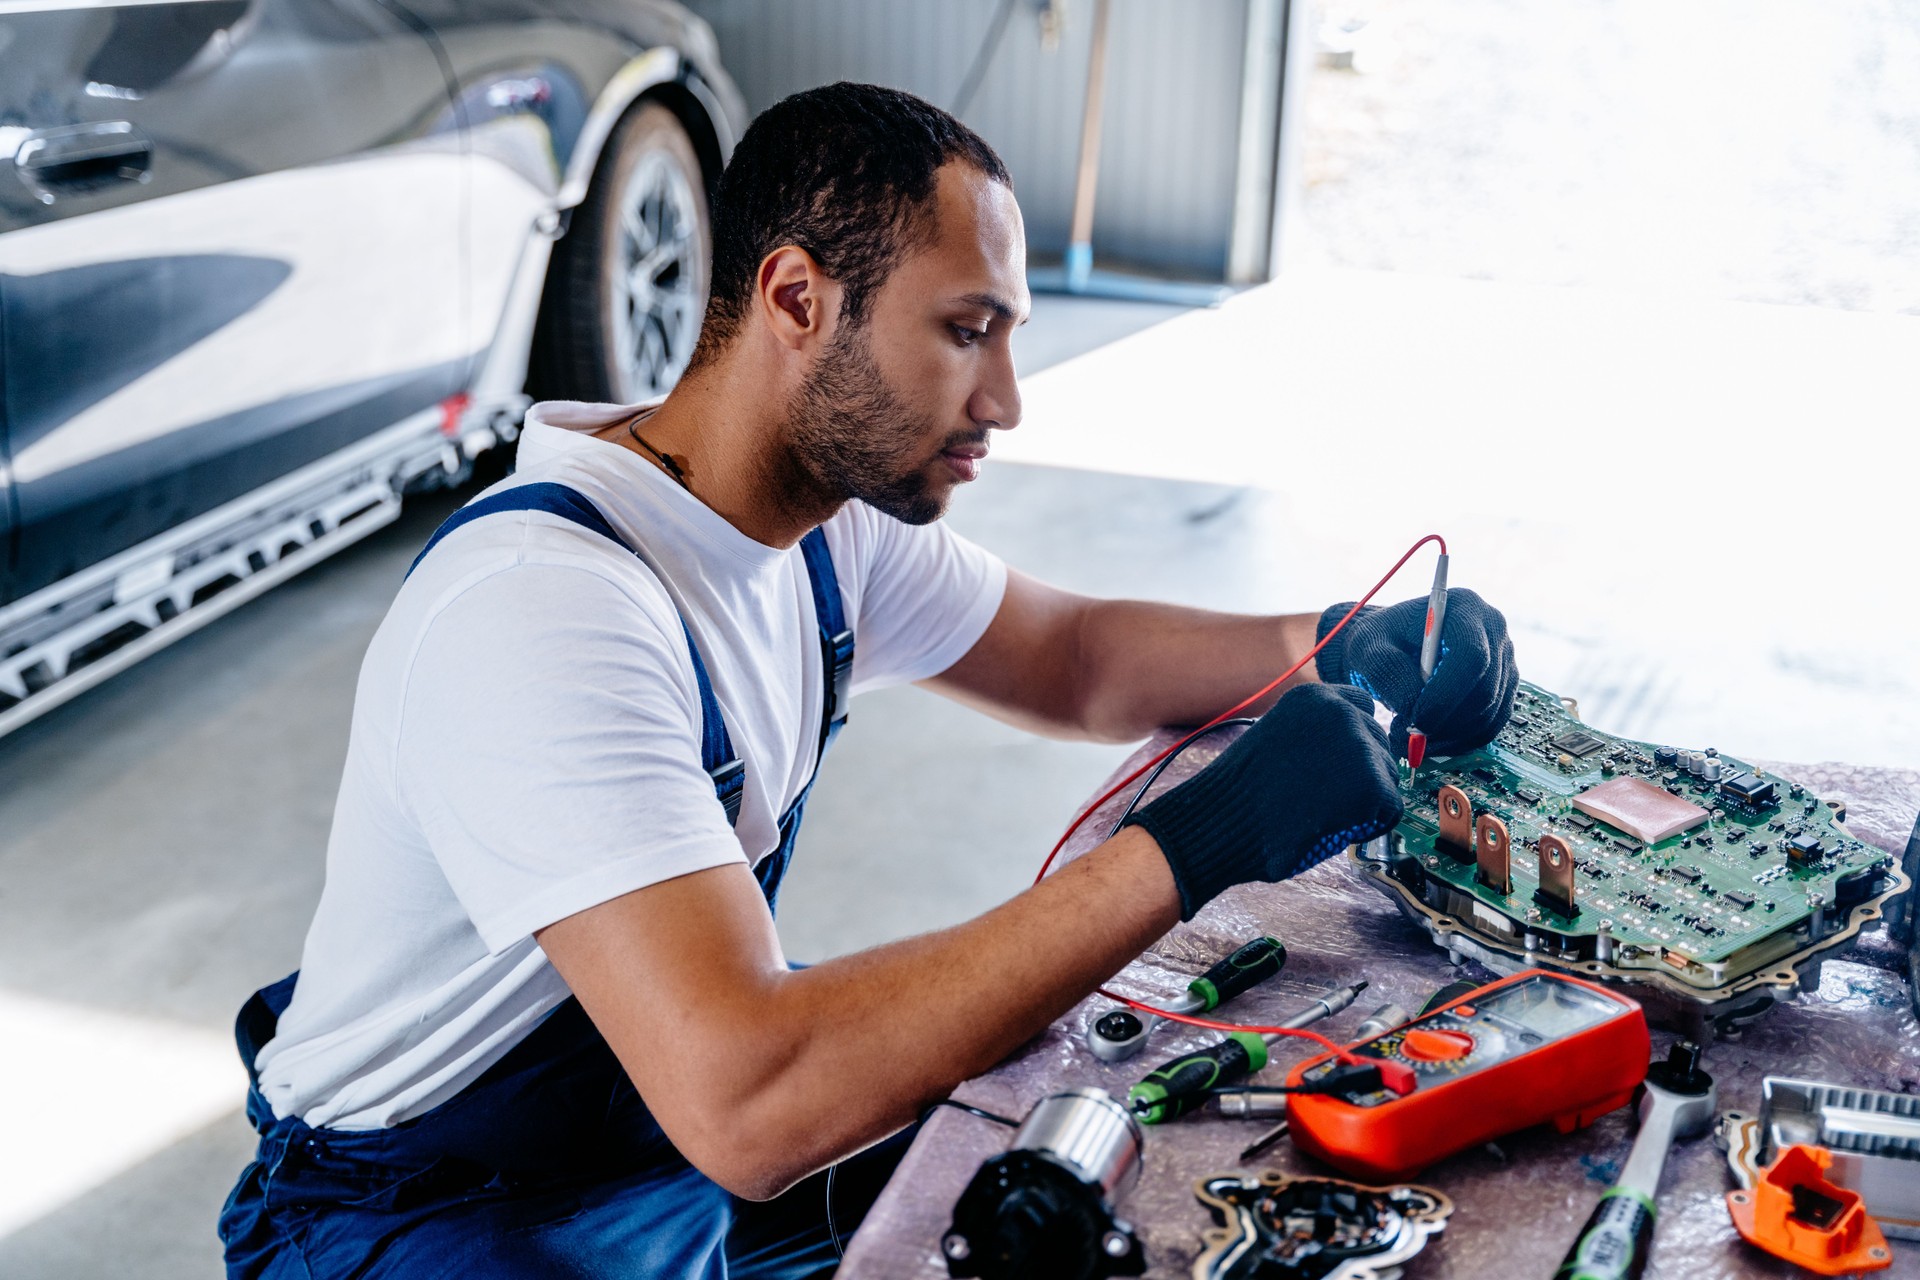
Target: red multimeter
x: 1532, y: 1048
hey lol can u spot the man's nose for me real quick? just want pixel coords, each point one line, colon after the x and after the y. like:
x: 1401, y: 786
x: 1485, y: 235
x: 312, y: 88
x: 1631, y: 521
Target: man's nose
x: 996, y: 402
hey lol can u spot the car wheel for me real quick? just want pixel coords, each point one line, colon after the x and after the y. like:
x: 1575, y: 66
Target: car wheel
x: 628, y: 284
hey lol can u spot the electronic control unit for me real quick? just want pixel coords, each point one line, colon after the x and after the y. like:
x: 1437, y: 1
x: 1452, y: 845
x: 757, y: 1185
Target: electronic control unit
x: 1715, y: 886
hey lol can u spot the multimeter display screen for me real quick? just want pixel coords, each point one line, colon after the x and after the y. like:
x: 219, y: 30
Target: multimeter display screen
x: 1552, y: 1010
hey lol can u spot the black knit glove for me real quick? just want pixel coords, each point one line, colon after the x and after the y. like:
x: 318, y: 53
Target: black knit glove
x: 1303, y: 782
x: 1470, y: 697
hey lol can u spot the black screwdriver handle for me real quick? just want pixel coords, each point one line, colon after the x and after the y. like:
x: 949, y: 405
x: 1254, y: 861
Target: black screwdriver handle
x: 1174, y: 1088
x: 1251, y: 965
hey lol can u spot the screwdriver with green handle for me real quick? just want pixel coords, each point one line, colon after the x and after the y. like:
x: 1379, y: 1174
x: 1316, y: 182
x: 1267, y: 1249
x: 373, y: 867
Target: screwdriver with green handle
x: 1119, y: 1034
x: 1174, y: 1088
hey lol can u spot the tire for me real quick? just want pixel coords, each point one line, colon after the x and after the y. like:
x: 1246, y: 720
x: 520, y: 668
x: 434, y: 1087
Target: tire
x: 627, y: 286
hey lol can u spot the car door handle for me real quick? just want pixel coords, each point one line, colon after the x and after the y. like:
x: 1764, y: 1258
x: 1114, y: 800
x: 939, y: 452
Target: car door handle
x: 78, y: 159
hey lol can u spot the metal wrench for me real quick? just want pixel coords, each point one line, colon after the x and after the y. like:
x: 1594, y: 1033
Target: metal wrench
x: 1119, y: 1034
x: 1677, y: 1103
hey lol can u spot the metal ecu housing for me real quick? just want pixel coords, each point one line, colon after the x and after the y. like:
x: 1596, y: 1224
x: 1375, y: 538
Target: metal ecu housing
x: 1769, y: 972
x: 1873, y: 1135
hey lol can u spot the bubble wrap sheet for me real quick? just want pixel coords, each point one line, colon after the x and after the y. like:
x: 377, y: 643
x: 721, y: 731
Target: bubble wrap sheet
x: 1517, y: 1205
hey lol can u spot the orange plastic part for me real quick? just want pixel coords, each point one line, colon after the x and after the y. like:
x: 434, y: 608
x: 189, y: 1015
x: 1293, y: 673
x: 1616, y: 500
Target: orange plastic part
x: 1436, y: 1046
x: 1836, y: 1236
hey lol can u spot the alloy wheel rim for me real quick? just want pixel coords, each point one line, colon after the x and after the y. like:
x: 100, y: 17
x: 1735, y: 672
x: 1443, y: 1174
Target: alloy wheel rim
x: 656, y: 269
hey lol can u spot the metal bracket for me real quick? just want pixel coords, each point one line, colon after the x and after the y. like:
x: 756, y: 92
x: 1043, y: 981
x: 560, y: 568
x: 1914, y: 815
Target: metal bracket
x: 1556, y: 876
x: 1493, y: 846
x: 1456, y: 822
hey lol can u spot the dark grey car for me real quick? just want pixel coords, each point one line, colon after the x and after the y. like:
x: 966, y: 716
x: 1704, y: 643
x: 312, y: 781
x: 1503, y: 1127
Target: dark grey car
x: 267, y: 265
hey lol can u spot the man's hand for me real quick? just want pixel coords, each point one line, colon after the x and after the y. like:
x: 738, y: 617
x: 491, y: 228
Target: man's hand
x: 1306, y: 780
x: 1470, y: 696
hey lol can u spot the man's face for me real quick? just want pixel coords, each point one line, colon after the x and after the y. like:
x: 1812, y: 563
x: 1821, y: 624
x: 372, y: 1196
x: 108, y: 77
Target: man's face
x: 897, y: 410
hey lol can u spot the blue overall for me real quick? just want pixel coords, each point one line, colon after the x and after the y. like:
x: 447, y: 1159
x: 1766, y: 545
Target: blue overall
x: 549, y: 1164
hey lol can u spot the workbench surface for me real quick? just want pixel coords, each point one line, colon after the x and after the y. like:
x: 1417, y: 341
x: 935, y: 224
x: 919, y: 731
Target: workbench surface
x: 1517, y: 1204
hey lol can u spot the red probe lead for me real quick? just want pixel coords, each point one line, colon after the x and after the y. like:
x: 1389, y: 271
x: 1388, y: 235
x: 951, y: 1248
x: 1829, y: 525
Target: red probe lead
x: 1430, y: 650
x: 1433, y: 622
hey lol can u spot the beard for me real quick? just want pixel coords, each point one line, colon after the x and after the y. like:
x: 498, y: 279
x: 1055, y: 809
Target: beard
x: 853, y: 437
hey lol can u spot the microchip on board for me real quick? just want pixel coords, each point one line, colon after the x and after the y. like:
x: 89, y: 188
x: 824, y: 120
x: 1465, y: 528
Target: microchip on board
x: 1640, y: 808
x: 1748, y: 789
x: 1577, y: 743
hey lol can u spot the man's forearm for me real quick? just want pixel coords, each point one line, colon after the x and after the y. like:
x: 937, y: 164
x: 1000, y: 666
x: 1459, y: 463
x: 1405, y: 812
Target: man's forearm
x: 1074, y: 666
x: 886, y: 1032
x: 1142, y: 666
x: 774, y: 1074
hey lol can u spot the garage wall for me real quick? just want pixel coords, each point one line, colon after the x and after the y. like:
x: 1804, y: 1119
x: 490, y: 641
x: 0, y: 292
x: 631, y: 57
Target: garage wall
x: 1172, y: 163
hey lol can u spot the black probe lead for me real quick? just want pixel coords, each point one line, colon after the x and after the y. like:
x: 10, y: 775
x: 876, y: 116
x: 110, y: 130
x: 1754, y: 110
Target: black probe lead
x: 970, y: 1109
x: 1160, y: 768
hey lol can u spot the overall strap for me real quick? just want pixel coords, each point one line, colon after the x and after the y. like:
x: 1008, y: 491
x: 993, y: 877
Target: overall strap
x: 836, y: 637
x: 554, y: 499
x: 836, y: 680
x: 717, y: 756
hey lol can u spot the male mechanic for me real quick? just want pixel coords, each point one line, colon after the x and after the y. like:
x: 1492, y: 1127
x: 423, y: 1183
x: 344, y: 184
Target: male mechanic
x: 543, y: 1025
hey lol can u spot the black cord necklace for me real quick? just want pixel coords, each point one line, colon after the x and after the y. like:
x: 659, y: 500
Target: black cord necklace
x: 671, y: 467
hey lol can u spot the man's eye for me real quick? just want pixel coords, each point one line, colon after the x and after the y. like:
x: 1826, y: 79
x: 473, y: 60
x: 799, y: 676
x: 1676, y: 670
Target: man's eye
x: 967, y: 336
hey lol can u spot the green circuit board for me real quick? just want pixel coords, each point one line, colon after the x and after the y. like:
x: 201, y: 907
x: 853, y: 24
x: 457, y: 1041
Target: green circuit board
x: 1699, y: 900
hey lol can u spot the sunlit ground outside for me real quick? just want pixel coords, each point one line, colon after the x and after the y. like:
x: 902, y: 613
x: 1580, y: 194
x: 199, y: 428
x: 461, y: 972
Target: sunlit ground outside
x: 1750, y: 150
x: 1691, y: 514
x: 1621, y: 297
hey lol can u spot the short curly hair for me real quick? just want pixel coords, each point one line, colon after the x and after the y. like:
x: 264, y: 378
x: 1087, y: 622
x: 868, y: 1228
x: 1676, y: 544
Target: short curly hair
x: 846, y: 172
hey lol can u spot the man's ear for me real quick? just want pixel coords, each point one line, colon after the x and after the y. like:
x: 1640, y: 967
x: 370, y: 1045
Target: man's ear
x: 796, y: 298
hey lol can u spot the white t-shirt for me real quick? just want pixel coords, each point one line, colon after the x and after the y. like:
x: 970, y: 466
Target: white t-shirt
x: 525, y: 745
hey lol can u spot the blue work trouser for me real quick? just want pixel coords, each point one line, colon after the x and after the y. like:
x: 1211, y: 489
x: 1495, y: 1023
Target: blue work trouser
x: 548, y: 1165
